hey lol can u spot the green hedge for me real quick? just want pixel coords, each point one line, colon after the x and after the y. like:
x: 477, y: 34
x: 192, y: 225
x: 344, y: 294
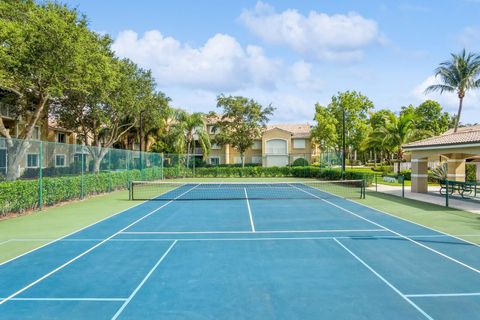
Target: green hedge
x: 22, y: 195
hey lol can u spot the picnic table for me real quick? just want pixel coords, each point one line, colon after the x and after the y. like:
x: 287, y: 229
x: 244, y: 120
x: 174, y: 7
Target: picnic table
x: 465, y: 189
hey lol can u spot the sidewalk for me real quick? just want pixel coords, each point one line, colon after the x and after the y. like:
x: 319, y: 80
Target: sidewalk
x: 433, y: 196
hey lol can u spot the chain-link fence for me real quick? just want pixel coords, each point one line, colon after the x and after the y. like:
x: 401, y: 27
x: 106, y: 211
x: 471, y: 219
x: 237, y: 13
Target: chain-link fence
x: 36, y: 173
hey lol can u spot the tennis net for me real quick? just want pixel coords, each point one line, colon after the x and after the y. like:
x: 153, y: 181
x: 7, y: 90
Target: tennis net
x: 166, y: 190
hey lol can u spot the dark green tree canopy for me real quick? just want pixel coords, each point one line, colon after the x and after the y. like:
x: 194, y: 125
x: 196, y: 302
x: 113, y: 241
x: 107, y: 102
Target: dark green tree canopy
x: 242, y: 121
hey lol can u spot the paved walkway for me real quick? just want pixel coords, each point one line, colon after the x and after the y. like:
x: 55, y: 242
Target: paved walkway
x: 433, y: 196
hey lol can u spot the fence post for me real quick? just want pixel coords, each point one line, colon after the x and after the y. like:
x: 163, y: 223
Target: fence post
x: 161, y: 166
x: 40, y: 177
x: 446, y: 192
x: 82, y: 176
x: 110, y: 187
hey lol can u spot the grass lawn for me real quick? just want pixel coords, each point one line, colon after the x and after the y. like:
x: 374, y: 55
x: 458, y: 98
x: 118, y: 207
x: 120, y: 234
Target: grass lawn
x: 448, y: 220
x: 39, y: 228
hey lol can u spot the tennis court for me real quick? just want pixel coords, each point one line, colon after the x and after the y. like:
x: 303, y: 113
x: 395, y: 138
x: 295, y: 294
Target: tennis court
x: 246, y: 251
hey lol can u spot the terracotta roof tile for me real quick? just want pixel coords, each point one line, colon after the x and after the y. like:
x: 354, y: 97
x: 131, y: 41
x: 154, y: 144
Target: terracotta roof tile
x: 465, y: 135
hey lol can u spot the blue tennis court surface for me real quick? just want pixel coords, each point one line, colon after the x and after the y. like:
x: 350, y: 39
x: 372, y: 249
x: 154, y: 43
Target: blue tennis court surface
x: 317, y: 256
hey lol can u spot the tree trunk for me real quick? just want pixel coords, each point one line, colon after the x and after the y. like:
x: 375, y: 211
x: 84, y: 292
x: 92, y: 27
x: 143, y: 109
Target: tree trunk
x: 457, y: 121
x: 98, y: 154
x: 243, y: 159
x: 16, y: 152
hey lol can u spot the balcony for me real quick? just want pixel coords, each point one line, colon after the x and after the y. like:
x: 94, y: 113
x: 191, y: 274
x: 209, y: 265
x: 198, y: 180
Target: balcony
x: 276, y: 151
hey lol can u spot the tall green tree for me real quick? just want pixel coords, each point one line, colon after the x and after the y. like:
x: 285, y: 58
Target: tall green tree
x: 430, y: 118
x: 188, y: 129
x: 460, y: 74
x: 396, y: 132
x: 242, y: 121
x: 329, y: 126
x: 45, y: 49
x: 104, y: 114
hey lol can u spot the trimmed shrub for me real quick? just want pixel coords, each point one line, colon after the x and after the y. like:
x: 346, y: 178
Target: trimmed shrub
x: 471, y: 172
x: 300, y: 162
x: 407, y: 174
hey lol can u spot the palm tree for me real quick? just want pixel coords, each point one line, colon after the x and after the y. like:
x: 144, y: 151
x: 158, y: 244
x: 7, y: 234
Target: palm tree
x: 188, y: 129
x: 396, y: 132
x: 459, y: 75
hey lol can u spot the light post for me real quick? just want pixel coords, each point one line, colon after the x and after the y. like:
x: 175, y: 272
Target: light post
x: 343, y: 144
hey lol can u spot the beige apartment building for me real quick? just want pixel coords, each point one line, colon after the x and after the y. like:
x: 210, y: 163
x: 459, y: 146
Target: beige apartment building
x: 279, y: 145
x: 60, y: 154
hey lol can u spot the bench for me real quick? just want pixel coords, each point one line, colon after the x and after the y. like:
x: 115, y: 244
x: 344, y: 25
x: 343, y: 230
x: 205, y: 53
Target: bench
x: 465, y: 189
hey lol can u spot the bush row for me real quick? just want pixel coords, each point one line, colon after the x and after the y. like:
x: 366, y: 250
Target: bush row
x: 21, y: 195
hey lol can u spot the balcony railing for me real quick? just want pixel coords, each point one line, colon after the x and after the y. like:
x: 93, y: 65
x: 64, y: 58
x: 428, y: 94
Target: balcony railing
x: 276, y: 151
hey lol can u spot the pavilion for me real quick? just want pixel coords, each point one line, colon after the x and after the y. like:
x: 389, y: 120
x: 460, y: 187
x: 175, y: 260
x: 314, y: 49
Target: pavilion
x: 454, y: 148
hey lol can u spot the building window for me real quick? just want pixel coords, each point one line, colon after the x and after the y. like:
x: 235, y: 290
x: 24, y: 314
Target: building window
x: 216, y: 146
x: 257, y: 145
x: 32, y: 160
x: 213, y: 130
x: 214, y: 161
x: 257, y: 159
x: 237, y: 160
x: 61, y: 137
x: 60, y: 160
x: 36, y: 133
x: 299, y: 143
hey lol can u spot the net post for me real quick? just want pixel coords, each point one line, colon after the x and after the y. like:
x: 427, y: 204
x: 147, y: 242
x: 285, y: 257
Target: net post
x: 446, y: 193
x: 376, y: 182
x: 40, y: 177
x: 130, y: 190
x: 402, y: 177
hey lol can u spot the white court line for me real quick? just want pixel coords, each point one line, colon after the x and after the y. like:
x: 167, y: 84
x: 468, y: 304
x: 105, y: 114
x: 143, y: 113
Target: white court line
x: 68, y: 299
x: 6, y: 241
x: 117, y: 314
x: 251, y: 232
x: 439, y: 295
x: 385, y: 281
x: 89, y: 250
x: 71, y: 233
x: 418, y: 224
x: 394, y: 232
x: 249, y: 210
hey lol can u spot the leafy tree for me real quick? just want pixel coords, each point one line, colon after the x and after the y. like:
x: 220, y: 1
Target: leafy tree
x: 429, y: 117
x: 44, y: 50
x: 242, y: 121
x: 107, y: 112
x: 324, y: 133
x: 329, y: 128
x: 460, y: 74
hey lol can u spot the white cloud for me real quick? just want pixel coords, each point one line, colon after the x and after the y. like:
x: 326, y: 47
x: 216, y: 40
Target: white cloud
x: 449, y: 100
x: 332, y: 37
x: 302, y: 76
x: 470, y: 38
x: 220, y: 64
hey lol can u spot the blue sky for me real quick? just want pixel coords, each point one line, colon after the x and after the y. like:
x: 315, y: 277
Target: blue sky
x: 292, y: 53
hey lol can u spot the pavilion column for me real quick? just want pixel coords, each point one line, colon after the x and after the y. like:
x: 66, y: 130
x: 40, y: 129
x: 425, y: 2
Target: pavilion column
x: 227, y: 154
x: 420, y: 175
x: 478, y: 171
x: 456, y: 167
